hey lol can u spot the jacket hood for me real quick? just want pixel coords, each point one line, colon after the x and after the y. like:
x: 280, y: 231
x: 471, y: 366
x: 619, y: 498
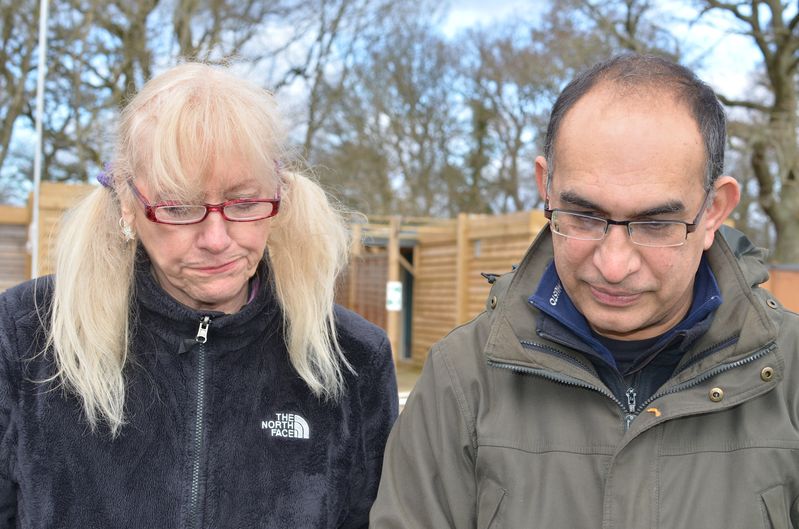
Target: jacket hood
x: 751, y: 258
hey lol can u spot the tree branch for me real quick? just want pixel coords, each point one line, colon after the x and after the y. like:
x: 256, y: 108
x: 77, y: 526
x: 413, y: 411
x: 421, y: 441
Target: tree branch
x: 732, y: 8
x: 744, y: 104
x: 794, y: 23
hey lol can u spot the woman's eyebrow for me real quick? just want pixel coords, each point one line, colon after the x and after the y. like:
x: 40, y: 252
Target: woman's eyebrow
x: 247, y: 187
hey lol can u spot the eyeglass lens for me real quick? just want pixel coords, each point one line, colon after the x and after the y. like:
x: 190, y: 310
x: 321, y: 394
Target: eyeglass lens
x: 646, y: 233
x: 186, y: 213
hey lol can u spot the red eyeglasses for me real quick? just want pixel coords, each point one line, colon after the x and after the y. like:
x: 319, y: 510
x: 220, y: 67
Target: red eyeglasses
x: 237, y: 210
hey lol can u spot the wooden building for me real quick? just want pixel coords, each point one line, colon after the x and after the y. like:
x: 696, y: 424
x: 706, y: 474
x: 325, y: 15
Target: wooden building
x: 439, y: 265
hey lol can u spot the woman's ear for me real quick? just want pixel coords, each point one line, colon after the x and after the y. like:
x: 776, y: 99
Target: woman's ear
x: 128, y: 213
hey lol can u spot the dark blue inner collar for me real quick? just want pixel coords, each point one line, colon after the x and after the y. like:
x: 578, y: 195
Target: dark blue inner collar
x: 551, y: 298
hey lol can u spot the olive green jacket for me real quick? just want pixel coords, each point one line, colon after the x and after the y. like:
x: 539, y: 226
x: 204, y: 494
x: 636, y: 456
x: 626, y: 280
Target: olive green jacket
x: 504, y: 435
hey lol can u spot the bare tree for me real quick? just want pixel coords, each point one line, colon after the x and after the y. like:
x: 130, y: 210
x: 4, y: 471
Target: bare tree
x: 507, y: 98
x: 217, y: 30
x: 772, y: 134
x: 102, y: 51
x: 633, y: 25
x: 332, y: 36
x: 18, y: 45
x: 412, y: 75
x: 399, y: 109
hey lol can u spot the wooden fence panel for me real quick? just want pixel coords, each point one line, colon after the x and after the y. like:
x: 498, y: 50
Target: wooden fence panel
x: 784, y: 284
x: 54, y: 199
x: 434, y: 291
x: 448, y: 287
x: 496, y: 243
x: 14, y: 259
x: 362, y: 288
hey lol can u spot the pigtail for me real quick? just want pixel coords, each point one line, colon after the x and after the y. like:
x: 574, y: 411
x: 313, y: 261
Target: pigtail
x: 308, y: 248
x: 89, y: 318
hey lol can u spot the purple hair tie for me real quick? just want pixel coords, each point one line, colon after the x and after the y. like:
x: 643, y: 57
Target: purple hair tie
x: 104, y: 177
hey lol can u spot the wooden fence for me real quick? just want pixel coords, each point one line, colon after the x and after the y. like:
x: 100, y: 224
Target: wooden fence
x: 54, y: 199
x: 784, y: 284
x: 438, y: 263
x: 448, y: 289
x: 15, y: 257
x: 15, y: 264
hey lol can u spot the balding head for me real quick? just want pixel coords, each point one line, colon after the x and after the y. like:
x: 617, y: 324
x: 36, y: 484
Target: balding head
x: 648, y: 76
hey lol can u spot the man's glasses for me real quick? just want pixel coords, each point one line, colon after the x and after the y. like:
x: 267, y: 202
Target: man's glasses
x: 238, y: 210
x: 652, y: 233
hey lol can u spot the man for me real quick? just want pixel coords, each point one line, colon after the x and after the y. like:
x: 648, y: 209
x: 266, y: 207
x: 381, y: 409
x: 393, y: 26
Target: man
x: 629, y: 373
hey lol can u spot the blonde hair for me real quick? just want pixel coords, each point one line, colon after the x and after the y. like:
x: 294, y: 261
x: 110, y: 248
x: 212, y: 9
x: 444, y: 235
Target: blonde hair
x: 170, y: 135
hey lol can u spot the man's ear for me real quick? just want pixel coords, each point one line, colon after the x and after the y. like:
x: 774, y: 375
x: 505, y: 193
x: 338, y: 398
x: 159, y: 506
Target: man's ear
x: 541, y: 176
x: 727, y: 194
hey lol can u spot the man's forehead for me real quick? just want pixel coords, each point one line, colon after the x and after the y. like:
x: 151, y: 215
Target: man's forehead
x: 639, y: 141
x: 608, y: 100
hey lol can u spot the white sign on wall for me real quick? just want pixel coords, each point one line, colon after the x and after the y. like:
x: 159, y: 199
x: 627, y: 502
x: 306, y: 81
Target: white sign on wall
x: 394, y: 296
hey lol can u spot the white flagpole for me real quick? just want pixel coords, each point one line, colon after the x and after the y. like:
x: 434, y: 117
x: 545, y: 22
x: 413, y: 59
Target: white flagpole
x: 33, y: 237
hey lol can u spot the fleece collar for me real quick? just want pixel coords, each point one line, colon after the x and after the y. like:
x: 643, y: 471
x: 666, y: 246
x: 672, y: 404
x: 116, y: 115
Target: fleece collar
x: 551, y: 299
x: 178, y: 324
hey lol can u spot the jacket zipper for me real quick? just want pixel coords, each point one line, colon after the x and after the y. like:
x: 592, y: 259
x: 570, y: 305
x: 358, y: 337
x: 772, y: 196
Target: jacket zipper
x: 628, y: 410
x: 631, y: 412
x: 710, y: 374
x: 201, y: 338
x: 628, y: 418
x: 554, y: 377
x: 632, y: 409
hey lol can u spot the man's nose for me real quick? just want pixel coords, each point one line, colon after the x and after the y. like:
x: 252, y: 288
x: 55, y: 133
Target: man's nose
x: 616, y: 256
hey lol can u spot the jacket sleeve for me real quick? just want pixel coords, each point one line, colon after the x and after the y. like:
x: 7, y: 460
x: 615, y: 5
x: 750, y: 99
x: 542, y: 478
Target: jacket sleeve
x: 8, y: 489
x: 428, y: 469
x: 380, y: 403
x: 8, y: 504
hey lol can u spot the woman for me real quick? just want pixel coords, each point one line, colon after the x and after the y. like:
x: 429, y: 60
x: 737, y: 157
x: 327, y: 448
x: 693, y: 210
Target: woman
x: 186, y: 366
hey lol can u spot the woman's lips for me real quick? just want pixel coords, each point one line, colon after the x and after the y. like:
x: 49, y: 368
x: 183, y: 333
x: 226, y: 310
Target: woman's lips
x: 216, y: 269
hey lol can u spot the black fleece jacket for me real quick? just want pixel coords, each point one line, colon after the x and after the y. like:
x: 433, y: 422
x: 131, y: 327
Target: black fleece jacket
x: 223, y: 434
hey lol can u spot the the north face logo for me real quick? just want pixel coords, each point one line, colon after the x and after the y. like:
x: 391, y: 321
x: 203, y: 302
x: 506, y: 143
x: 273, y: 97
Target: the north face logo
x: 287, y: 425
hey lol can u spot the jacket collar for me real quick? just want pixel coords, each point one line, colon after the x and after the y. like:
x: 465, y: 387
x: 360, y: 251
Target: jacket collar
x: 736, y: 273
x: 552, y: 299
x: 159, y: 313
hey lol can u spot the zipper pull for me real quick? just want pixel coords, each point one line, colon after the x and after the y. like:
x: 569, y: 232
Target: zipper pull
x: 631, y: 400
x: 202, y: 332
x: 630, y: 417
x: 628, y: 420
